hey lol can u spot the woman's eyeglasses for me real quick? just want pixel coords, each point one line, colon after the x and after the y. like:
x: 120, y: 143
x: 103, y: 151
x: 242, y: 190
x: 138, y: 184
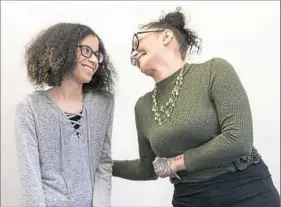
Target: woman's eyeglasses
x: 136, y: 42
x: 87, y: 52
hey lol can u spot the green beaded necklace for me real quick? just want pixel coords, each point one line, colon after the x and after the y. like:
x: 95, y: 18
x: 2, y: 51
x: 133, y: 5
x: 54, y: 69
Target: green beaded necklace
x: 163, y: 113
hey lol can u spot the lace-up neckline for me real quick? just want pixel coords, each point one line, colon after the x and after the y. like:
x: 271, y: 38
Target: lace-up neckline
x: 75, y: 120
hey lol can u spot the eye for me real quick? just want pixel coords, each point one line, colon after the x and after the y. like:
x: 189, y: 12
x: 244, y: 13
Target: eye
x: 86, y: 50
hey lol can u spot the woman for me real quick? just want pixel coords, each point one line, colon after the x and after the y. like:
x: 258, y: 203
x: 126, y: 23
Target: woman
x: 63, y: 134
x: 195, y: 126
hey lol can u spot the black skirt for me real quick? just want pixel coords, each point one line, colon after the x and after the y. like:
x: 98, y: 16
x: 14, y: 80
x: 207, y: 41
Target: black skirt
x: 252, y: 187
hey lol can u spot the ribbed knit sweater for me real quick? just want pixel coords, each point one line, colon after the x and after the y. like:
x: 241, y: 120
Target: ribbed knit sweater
x: 211, y: 125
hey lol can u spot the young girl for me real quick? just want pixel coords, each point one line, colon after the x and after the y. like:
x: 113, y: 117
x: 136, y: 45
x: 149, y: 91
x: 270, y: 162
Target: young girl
x: 63, y: 134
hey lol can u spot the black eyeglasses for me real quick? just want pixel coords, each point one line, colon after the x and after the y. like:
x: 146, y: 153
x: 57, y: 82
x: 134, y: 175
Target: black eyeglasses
x: 136, y: 42
x: 87, y: 52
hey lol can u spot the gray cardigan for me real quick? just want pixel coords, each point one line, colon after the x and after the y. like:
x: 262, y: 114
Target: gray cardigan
x: 59, y: 165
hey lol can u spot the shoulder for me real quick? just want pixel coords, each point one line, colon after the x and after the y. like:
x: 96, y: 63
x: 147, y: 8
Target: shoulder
x: 221, y: 65
x: 222, y: 71
x: 143, y: 102
x: 139, y: 102
x: 143, y: 99
x: 29, y: 101
x: 214, y: 68
x: 213, y: 64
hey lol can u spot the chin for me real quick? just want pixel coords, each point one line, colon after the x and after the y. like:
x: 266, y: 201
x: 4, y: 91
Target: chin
x: 87, y: 80
x: 144, y: 68
x: 147, y: 72
x: 83, y: 80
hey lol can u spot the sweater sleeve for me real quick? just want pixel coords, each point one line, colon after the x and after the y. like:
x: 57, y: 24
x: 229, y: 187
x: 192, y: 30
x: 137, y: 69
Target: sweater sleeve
x: 234, y: 115
x: 103, y: 175
x: 28, y: 157
x: 138, y: 169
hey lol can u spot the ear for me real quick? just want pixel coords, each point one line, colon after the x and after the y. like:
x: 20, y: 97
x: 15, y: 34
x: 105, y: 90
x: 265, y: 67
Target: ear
x: 168, y: 36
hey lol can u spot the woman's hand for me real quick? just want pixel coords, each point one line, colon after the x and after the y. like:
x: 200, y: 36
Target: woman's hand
x: 167, y: 167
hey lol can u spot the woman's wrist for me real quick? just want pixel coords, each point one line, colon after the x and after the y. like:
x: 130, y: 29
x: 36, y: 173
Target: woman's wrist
x: 180, y: 162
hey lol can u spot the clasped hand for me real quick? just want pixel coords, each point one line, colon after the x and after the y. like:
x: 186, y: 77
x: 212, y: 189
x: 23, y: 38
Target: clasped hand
x: 167, y: 167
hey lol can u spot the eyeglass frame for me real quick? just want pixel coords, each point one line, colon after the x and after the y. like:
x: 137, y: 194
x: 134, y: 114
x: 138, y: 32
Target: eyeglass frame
x: 96, y: 53
x: 133, y: 61
x: 142, y: 32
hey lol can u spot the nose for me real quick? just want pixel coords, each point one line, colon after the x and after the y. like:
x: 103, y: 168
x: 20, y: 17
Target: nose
x: 134, y: 53
x: 93, y: 59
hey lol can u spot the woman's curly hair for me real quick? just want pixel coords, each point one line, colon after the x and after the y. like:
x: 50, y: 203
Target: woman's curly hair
x: 51, y: 57
x: 187, y: 39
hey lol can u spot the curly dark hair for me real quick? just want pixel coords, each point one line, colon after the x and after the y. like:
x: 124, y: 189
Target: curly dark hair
x: 52, y: 56
x: 188, y: 40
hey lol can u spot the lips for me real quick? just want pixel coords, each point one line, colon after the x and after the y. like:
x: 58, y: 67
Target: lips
x: 88, y: 67
x: 137, y: 56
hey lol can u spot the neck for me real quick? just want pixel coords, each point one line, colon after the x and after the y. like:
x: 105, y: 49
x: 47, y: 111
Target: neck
x: 70, y: 90
x: 167, y: 67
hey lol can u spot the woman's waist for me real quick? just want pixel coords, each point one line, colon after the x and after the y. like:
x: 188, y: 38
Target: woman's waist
x: 240, y: 164
x: 253, y: 170
x: 202, y: 175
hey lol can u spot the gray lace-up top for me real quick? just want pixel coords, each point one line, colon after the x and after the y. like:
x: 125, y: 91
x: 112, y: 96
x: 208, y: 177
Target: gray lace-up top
x: 65, y: 159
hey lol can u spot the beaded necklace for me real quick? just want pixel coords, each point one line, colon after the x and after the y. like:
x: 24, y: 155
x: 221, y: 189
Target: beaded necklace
x: 163, y: 113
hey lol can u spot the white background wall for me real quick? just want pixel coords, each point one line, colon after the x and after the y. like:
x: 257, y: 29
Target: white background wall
x: 247, y: 34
